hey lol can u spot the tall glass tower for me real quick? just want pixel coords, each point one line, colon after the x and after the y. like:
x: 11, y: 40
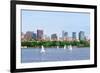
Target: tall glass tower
x: 64, y: 34
x: 74, y: 35
x: 39, y: 34
x: 81, y: 35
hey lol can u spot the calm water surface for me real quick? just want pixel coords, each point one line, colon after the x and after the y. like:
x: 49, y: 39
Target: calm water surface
x: 54, y: 54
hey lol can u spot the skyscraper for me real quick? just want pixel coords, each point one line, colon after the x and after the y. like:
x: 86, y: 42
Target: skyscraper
x: 39, y: 34
x: 54, y: 37
x: 81, y: 35
x: 64, y: 35
x: 28, y: 35
x: 34, y: 36
x: 74, y: 35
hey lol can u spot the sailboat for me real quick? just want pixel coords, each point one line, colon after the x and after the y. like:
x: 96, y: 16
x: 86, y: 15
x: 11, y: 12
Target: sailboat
x: 70, y: 47
x: 57, y: 46
x: 64, y: 46
x: 42, y: 49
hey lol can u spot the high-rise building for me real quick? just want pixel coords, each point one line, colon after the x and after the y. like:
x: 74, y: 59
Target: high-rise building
x: 28, y: 35
x: 81, y: 35
x: 64, y: 35
x: 74, y: 35
x: 34, y: 36
x: 54, y: 37
x: 39, y: 34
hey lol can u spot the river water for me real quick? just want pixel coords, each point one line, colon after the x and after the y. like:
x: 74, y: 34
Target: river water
x: 29, y: 55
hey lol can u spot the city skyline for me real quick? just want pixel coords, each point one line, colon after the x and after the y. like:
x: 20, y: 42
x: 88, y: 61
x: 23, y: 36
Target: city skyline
x: 55, y: 22
x: 40, y: 35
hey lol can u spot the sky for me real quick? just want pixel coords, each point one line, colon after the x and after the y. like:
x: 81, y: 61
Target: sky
x: 55, y: 22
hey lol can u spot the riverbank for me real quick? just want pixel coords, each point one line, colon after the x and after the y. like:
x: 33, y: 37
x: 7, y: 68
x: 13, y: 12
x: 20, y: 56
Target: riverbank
x: 54, y: 44
x: 25, y: 47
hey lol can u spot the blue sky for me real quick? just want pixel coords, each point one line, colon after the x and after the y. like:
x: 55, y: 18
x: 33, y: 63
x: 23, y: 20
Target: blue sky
x: 55, y: 22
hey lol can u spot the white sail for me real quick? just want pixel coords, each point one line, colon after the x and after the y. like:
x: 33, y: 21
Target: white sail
x: 42, y: 49
x: 57, y: 46
x: 70, y: 47
x: 64, y: 46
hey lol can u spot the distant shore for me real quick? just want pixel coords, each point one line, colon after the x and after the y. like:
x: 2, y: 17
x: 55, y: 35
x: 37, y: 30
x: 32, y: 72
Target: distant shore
x: 52, y: 47
x: 54, y: 44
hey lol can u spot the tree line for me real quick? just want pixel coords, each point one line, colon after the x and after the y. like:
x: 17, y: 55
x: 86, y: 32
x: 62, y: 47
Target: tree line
x: 55, y: 43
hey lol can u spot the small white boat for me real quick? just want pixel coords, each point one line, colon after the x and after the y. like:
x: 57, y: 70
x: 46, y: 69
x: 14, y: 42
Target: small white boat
x: 70, y: 47
x: 57, y: 46
x: 64, y: 46
x: 42, y: 49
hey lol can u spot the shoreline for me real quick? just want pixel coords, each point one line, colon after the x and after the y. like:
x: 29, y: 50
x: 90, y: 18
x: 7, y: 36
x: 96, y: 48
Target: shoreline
x: 51, y: 47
